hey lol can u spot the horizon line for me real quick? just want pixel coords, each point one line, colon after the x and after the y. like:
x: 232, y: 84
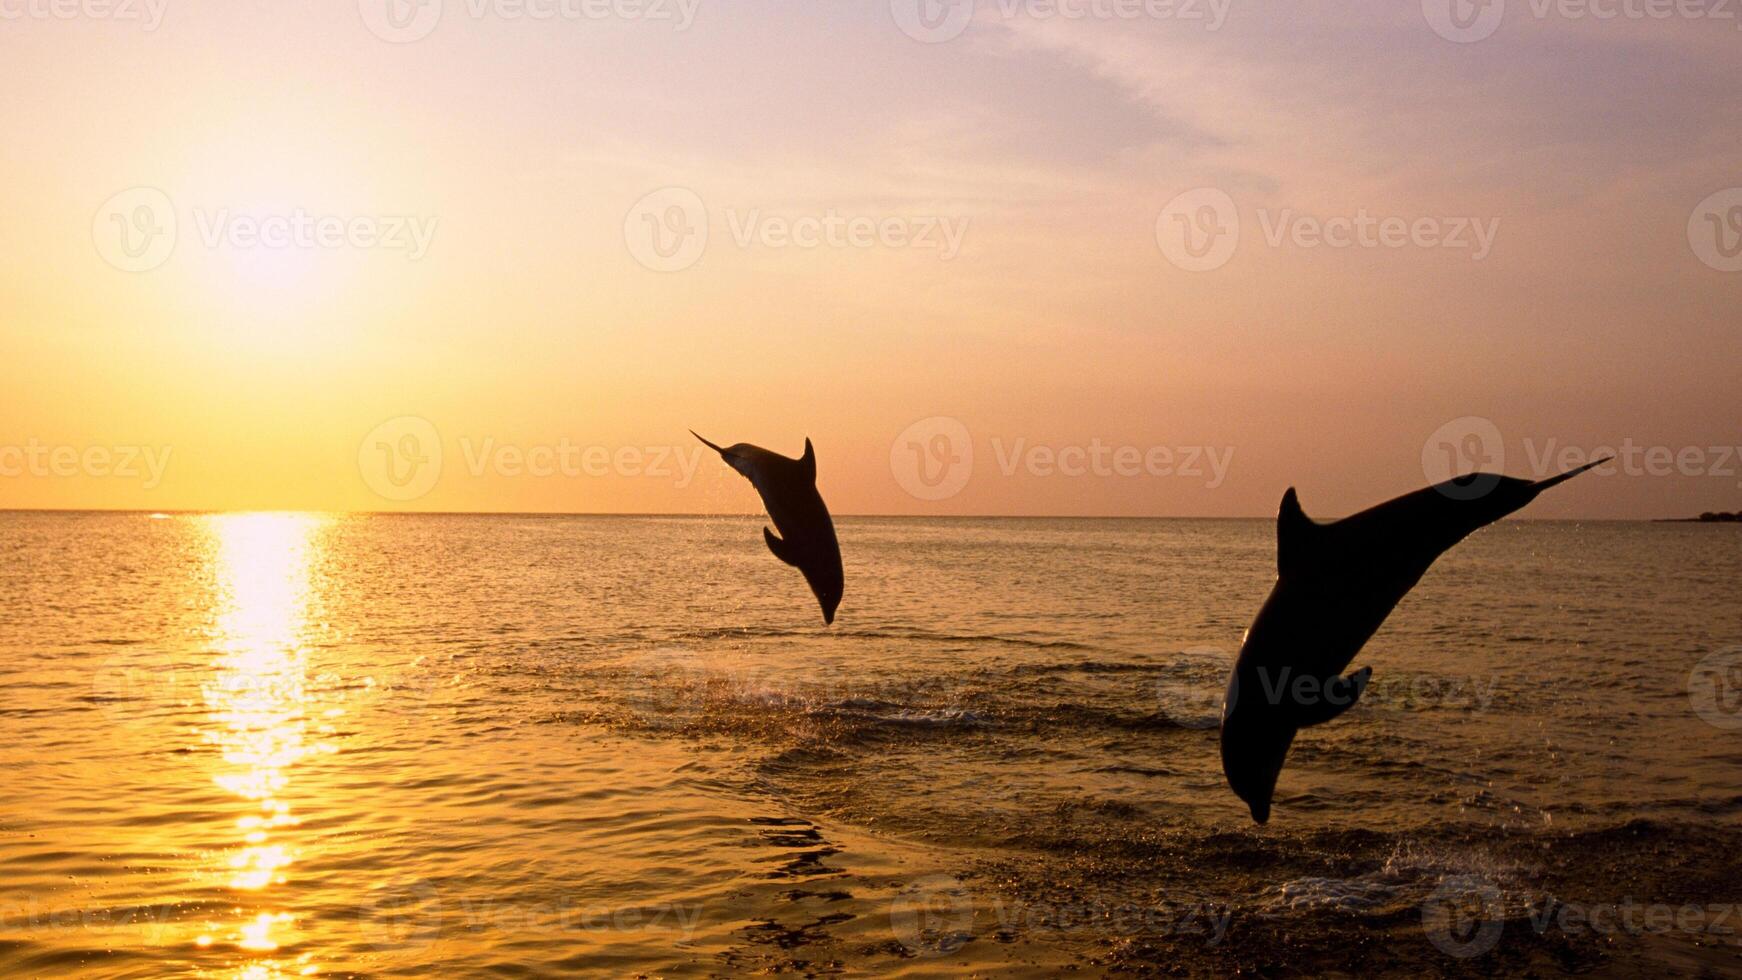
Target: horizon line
x: 186, y: 512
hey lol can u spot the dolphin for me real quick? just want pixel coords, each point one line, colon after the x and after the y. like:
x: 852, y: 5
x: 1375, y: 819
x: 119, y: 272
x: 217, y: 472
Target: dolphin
x: 789, y: 493
x: 1336, y: 583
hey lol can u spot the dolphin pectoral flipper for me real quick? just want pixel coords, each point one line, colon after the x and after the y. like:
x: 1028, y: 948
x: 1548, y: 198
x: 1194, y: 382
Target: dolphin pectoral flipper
x: 1338, y: 695
x: 781, y: 549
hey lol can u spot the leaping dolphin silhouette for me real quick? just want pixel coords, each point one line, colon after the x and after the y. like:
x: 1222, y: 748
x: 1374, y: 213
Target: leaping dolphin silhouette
x: 788, y: 488
x: 1336, y: 583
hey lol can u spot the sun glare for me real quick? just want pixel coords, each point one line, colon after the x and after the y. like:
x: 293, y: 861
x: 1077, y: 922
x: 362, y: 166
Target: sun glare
x: 257, y: 700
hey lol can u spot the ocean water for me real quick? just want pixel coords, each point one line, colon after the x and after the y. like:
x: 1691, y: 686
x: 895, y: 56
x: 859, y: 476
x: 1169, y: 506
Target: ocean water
x: 265, y: 745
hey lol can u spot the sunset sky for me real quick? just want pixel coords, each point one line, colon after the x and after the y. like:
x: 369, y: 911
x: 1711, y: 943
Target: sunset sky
x: 992, y: 202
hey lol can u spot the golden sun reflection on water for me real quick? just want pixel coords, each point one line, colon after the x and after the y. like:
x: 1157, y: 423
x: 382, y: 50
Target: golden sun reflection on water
x: 259, y: 706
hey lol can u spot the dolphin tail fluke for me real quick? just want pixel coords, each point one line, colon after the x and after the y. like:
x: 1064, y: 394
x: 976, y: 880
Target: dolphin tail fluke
x: 1541, y: 485
x: 708, y: 444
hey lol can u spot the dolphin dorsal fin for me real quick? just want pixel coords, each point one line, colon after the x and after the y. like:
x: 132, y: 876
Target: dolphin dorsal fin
x: 1294, y: 534
x: 809, y: 460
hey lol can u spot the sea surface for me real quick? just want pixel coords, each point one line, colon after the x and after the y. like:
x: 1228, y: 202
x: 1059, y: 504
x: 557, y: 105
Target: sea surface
x: 275, y: 745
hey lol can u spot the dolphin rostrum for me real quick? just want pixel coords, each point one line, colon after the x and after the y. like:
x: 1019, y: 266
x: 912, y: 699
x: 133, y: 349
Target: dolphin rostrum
x: 789, y: 493
x: 1336, y: 583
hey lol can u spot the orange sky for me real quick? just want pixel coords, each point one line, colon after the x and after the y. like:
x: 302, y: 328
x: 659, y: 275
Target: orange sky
x: 264, y: 257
